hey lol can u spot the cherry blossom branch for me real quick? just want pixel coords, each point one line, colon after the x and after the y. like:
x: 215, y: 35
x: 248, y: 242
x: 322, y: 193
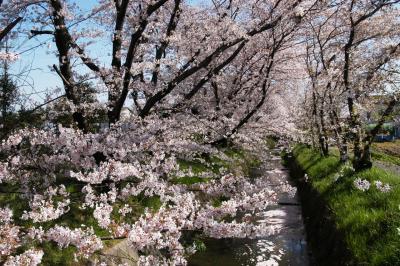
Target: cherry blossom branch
x: 117, y: 101
x: 173, y: 22
x: 9, y: 27
x: 160, y: 95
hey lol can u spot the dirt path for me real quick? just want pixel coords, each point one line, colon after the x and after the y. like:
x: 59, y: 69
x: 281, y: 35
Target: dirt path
x: 392, y: 168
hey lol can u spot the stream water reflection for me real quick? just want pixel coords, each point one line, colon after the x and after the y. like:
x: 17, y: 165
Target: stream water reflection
x: 288, y: 248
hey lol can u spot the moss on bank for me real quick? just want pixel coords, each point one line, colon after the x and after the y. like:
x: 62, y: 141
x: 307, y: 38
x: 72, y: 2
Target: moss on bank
x: 348, y: 226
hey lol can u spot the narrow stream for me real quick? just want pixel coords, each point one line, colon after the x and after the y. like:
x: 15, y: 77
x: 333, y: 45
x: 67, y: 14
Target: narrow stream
x: 289, y: 247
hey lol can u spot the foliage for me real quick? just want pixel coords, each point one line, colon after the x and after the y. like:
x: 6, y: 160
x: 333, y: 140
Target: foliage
x: 8, y: 99
x: 271, y: 142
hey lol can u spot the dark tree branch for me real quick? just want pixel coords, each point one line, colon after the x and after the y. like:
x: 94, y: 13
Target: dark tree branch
x: 214, y: 72
x: 117, y: 41
x: 152, y: 101
x: 117, y: 100
x: 44, y: 104
x: 41, y: 32
x: 9, y: 27
x: 173, y: 22
x: 181, y: 76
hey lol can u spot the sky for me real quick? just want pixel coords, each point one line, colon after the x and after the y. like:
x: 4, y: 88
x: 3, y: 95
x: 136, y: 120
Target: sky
x: 41, y: 77
x: 38, y: 61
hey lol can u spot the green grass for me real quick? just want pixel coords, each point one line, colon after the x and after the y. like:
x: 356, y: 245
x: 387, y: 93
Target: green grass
x: 189, y: 180
x: 196, y: 166
x: 199, y: 166
x: 56, y: 256
x: 271, y: 142
x: 242, y: 160
x: 384, y: 157
x: 238, y: 159
x: 367, y: 220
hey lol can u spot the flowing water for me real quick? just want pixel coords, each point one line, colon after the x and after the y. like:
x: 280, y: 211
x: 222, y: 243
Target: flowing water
x: 288, y: 247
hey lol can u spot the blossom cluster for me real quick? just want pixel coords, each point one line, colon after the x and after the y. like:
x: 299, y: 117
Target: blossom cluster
x: 382, y: 187
x: 85, y: 240
x: 43, y: 208
x: 107, y: 169
x: 362, y: 184
x: 11, y: 57
x: 30, y: 257
x: 62, y: 170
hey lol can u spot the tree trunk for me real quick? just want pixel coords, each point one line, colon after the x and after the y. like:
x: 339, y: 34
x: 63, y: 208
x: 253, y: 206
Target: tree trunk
x: 344, y: 153
x: 63, y: 42
x: 341, y: 141
x: 355, y: 130
x: 321, y: 138
x: 324, y: 133
x: 364, y: 161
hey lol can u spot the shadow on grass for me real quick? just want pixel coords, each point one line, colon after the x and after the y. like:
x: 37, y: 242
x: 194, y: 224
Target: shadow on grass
x: 346, y: 226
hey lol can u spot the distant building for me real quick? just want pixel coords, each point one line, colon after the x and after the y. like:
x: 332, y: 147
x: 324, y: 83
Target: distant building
x: 391, y: 128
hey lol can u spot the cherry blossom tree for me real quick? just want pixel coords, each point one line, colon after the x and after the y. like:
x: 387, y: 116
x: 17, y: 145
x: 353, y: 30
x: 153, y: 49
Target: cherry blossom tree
x: 198, y: 76
x: 348, y: 63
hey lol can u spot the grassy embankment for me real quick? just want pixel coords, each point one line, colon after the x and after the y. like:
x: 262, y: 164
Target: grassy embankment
x: 387, y: 152
x: 348, y: 226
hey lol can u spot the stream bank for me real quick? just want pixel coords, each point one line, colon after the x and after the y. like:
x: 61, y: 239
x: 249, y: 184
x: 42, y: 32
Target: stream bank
x: 325, y: 242
x: 347, y: 224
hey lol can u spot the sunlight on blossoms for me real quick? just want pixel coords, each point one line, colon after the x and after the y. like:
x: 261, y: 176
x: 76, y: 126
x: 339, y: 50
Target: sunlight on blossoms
x: 197, y: 132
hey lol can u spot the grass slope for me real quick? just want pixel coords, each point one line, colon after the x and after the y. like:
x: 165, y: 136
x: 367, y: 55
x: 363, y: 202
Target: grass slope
x: 391, y: 148
x: 367, y: 221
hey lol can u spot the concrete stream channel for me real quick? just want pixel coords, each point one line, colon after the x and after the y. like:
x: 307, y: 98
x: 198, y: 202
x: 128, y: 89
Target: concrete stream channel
x: 287, y: 248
